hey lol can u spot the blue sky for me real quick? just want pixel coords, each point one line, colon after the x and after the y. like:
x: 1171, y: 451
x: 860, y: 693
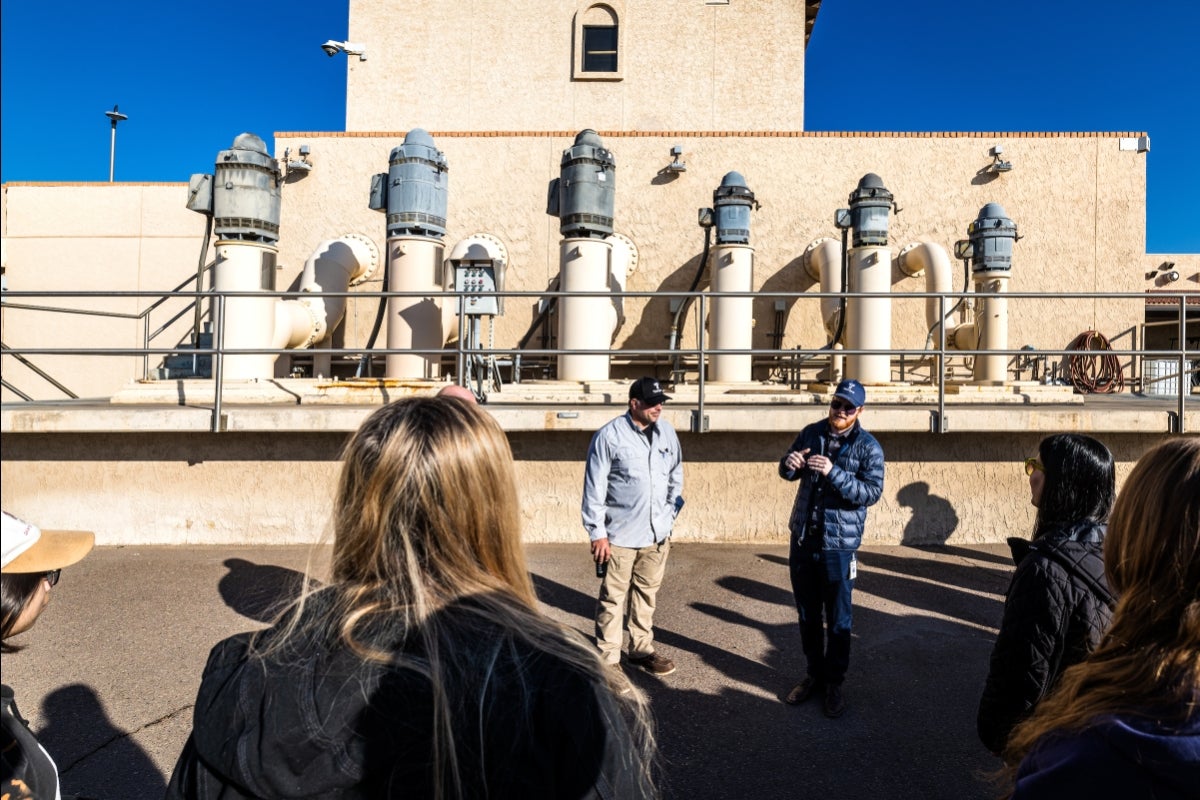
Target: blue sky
x: 192, y: 75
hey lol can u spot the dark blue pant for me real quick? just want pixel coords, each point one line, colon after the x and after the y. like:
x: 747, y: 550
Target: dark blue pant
x: 821, y: 584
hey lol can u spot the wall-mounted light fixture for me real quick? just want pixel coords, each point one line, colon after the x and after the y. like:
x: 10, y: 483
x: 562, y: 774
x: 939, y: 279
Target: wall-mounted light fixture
x: 332, y: 48
x: 999, y: 165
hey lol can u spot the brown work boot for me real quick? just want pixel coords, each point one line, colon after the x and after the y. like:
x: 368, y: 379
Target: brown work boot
x: 802, y: 691
x: 835, y: 704
x: 654, y: 664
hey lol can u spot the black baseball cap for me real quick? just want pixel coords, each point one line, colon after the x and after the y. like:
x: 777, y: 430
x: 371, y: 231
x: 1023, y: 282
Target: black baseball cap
x: 648, y: 391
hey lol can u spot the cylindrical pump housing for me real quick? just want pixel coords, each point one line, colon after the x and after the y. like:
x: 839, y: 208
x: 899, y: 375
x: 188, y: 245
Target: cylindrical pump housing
x: 869, y: 207
x: 732, y: 202
x: 587, y: 188
x: 992, y: 235
x: 416, y: 188
x: 245, y: 201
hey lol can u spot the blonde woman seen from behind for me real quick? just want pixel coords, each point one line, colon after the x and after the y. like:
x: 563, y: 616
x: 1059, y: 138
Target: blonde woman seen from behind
x: 1125, y: 723
x: 424, y: 668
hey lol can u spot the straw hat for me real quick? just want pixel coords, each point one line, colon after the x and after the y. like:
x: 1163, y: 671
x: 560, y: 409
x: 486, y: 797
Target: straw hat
x: 27, y: 548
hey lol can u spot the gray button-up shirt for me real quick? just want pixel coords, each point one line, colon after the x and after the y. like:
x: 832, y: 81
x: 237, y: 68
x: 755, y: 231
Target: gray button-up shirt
x: 631, y: 483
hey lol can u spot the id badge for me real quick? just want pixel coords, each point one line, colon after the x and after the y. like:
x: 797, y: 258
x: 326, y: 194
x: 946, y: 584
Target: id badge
x: 853, y: 567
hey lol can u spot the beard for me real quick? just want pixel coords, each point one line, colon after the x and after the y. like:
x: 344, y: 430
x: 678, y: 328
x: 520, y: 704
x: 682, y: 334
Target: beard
x: 842, y: 425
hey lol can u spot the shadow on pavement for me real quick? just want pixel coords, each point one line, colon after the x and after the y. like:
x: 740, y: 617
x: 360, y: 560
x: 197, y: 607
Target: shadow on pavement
x: 94, y: 758
x: 259, y: 591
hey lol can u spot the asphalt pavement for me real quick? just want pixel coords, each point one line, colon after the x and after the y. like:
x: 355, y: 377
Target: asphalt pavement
x: 109, y: 673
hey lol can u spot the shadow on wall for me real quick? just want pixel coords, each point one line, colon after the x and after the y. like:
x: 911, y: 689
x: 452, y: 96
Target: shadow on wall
x: 259, y: 591
x: 91, y: 753
x: 653, y: 327
x: 791, y: 277
x: 933, y: 520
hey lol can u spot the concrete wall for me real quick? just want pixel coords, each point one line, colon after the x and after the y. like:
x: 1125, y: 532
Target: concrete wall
x: 259, y: 488
x: 123, y: 237
x: 509, y: 65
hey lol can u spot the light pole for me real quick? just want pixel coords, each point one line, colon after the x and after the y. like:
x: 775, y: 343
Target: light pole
x: 115, y: 117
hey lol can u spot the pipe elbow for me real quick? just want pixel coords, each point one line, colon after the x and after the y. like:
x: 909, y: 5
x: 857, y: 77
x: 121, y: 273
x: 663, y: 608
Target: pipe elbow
x: 334, y: 266
x: 931, y: 260
x: 822, y: 261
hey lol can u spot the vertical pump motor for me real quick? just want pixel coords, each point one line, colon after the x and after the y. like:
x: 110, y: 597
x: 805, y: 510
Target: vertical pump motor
x: 583, y: 196
x: 732, y: 202
x: 413, y: 190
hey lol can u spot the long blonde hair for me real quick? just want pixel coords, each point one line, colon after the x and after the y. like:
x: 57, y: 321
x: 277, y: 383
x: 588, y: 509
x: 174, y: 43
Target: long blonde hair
x: 1148, y: 663
x: 426, y: 515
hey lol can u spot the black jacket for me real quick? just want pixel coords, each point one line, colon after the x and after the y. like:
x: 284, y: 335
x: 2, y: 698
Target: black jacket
x: 1058, y: 606
x: 313, y: 719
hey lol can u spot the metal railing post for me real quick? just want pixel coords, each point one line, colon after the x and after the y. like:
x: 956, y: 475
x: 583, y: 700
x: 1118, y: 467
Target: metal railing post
x: 1184, y: 374
x: 218, y: 361
x: 700, y: 425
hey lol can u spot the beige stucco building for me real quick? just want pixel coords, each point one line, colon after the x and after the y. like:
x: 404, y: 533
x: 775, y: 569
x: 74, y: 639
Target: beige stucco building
x: 158, y: 473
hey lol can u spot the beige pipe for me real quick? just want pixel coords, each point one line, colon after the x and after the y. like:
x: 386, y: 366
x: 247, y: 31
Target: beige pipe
x: 823, y: 261
x: 414, y: 265
x: 731, y: 319
x: 585, y: 323
x: 933, y: 261
x: 335, y: 266
x: 991, y: 322
x: 869, y: 320
x: 249, y: 322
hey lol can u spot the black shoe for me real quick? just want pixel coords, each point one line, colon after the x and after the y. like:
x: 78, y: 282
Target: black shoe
x: 654, y: 664
x: 802, y: 691
x: 835, y: 704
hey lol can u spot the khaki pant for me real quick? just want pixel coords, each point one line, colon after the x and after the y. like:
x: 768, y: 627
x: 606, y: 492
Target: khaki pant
x: 634, y: 576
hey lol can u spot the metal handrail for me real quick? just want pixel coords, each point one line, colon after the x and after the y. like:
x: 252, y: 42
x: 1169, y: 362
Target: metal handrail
x: 937, y: 356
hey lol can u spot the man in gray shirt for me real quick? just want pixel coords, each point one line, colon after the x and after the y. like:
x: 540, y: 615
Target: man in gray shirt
x: 631, y: 495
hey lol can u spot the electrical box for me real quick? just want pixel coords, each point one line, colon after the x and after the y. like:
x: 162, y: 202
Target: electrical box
x: 477, y: 282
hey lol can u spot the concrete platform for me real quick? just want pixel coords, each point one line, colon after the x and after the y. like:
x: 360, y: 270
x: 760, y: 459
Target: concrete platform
x: 307, y: 405
x: 109, y: 673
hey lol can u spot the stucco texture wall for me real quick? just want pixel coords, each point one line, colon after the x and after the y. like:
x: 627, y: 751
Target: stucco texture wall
x: 123, y: 237
x: 276, y: 488
x: 509, y: 66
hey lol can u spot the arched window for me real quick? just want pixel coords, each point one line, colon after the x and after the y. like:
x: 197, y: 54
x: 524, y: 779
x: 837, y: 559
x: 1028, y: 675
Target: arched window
x: 597, y: 42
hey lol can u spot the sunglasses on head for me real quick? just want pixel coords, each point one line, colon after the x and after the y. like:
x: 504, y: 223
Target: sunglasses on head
x: 842, y: 405
x: 1032, y: 465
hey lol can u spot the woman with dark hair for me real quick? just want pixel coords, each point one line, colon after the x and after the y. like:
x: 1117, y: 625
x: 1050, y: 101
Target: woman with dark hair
x: 1058, y: 603
x: 30, y: 567
x: 1125, y: 723
x: 424, y: 668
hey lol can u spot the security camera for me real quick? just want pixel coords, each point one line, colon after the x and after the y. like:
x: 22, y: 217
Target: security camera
x: 332, y: 48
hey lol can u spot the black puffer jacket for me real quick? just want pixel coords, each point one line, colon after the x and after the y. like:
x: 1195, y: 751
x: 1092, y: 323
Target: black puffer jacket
x: 313, y: 720
x: 1058, y: 607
